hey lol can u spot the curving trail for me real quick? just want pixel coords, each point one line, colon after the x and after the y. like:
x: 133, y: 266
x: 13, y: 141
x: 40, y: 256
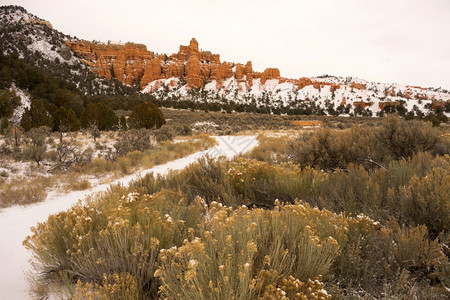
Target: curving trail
x: 15, y: 222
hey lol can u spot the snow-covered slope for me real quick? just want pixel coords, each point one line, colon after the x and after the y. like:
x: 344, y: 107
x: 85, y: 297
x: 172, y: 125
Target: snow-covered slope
x: 35, y: 41
x: 15, y: 222
x: 330, y: 95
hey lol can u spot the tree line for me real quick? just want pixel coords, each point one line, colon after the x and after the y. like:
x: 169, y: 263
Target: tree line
x: 58, y: 104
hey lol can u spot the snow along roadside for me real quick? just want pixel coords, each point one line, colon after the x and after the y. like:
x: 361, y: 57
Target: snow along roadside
x: 15, y: 222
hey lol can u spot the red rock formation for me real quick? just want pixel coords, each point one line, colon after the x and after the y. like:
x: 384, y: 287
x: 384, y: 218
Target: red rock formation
x: 153, y: 71
x: 419, y: 87
x: 382, y: 105
x: 173, y: 69
x: 344, y: 101
x: 239, y: 74
x: 224, y: 71
x: 334, y: 87
x: 248, y: 72
x: 132, y: 64
x: 193, y: 74
x: 270, y: 73
x: 421, y: 96
x: 407, y: 94
x: 302, y: 82
x: 124, y: 62
x: 437, y: 103
x: 358, y: 86
x: 362, y: 104
x: 316, y: 85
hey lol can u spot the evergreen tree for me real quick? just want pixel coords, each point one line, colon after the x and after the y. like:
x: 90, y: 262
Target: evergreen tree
x: 36, y: 116
x: 100, y: 114
x: 146, y: 115
x: 66, y: 118
x: 123, y: 123
x: 8, y: 102
x: 4, y: 125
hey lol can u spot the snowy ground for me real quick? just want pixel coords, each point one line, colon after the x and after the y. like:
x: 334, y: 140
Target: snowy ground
x: 15, y: 222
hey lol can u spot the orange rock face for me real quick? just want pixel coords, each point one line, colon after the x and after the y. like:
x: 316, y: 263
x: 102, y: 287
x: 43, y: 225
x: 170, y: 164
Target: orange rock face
x: 362, y: 104
x: 358, y: 86
x: 302, y: 82
x: 193, y: 74
x: 133, y: 64
x: 224, y: 71
x: 421, y: 96
x: 334, y: 87
x: 382, y: 105
x: 270, y: 73
x: 153, y: 71
x: 124, y: 62
x: 248, y: 71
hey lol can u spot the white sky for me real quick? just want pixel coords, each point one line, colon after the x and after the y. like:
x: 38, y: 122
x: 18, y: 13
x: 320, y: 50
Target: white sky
x: 401, y: 41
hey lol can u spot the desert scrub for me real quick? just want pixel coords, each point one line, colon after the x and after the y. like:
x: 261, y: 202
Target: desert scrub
x: 24, y: 192
x: 273, y: 150
x: 113, y: 287
x: 115, y: 233
x: 259, y: 183
x: 390, y: 259
x: 242, y: 253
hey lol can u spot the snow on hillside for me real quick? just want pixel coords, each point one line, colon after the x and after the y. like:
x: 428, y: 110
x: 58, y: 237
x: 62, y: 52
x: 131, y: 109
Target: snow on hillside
x: 36, y: 42
x: 349, y: 93
x: 37, y: 36
x: 25, y: 102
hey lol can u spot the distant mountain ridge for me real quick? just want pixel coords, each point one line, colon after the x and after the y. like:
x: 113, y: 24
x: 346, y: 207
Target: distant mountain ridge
x: 201, y: 80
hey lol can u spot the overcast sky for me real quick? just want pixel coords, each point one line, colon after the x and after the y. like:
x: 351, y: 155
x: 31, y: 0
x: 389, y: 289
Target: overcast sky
x: 398, y: 41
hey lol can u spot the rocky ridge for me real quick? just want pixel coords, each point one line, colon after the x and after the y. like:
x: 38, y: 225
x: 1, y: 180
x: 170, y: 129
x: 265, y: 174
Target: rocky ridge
x: 176, y: 76
x: 133, y: 64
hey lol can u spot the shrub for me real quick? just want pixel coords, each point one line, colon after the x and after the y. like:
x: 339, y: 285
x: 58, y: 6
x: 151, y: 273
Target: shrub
x: 134, y: 140
x: 165, y: 133
x: 77, y: 184
x: 403, y: 139
x: 112, y: 235
x: 334, y: 149
x: 124, y: 164
x: 425, y: 201
x: 23, y: 193
x: 244, y: 254
x: 259, y: 183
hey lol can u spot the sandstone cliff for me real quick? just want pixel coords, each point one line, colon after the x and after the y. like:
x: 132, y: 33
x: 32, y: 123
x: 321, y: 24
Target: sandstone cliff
x: 133, y: 64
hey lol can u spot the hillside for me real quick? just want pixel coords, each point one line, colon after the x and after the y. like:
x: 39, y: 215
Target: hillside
x: 199, y: 76
x: 36, y: 43
x: 198, y: 79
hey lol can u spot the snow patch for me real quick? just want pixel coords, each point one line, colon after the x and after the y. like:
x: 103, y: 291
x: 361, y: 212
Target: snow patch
x: 25, y: 102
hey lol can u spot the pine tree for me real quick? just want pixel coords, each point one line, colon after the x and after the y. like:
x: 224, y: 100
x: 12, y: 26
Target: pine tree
x: 99, y: 113
x: 66, y: 118
x: 4, y: 125
x: 36, y: 116
x: 8, y: 102
x: 146, y: 115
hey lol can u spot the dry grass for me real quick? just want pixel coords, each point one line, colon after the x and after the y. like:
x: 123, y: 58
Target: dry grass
x: 14, y: 190
x: 25, y: 192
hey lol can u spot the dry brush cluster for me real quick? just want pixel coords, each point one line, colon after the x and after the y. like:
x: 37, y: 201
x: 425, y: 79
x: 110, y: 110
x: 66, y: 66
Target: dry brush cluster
x: 237, y: 230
